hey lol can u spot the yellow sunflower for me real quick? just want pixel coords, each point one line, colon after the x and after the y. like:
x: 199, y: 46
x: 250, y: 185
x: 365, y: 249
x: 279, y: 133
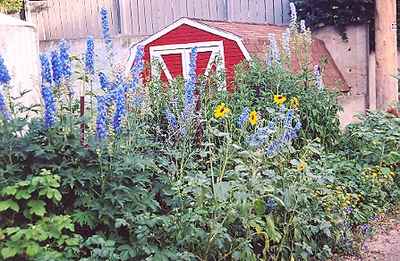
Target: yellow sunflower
x: 253, y: 118
x: 221, y: 111
x: 279, y: 99
x: 294, y: 103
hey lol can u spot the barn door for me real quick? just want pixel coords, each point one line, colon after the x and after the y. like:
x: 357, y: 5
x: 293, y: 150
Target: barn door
x: 175, y: 59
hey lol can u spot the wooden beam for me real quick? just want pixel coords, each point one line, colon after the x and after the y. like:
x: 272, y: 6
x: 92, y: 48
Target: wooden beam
x: 386, y: 53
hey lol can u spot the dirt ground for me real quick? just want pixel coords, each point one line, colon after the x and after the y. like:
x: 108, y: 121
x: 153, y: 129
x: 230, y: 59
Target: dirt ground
x: 384, y: 245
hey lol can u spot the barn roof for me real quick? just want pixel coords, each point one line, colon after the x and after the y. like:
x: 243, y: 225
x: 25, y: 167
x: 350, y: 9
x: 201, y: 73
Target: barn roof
x: 252, y: 39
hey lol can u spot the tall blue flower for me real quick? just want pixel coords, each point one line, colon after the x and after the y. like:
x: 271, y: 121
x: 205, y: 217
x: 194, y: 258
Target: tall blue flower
x: 318, y: 78
x: 171, y: 119
x: 243, y: 117
x: 105, y: 29
x: 260, y: 137
x: 137, y: 68
x: 286, y: 42
x: 49, y: 106
x: 89, y: 56
x: 190, y: 83
x: 273, y: 56
x: 47, y: 93
x: 65, y: 59
x: 101, y: 121
x: 3, y: 107
x: 4, y: 74
x: 288, y: 119
x: 303, y: 27
x: 104, y: 83
x: 293, y: 14
x: 56, y: 68
x: 46, y: 70
x: 119, y: 98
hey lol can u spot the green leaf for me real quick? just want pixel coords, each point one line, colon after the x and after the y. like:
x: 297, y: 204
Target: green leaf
x: 8, y: 204
x: 271, y: 231
x: 32, y: 249
x: 23, y: 194
x: 9, y: 191
x: 8, y: 252
x: 259, y: 206
x: 37, y: 207
x: 221, y: 191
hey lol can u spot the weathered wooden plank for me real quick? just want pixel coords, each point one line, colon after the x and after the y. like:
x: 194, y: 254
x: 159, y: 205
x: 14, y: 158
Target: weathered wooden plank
x: 72, y: 19
x: 278, y: 12
x: 269, y: 11
x: 142, y: 17
x: 135, y: 22
x: 285, y: 11
x: 191, y: 10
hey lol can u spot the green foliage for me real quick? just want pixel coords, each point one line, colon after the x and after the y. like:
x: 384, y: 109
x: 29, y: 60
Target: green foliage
x: 10, y: 6
x: 28, y: 228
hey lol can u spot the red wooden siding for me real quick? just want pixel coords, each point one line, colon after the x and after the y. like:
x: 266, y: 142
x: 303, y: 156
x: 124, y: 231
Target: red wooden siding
x: 185, y: 34
x: 174, y: 64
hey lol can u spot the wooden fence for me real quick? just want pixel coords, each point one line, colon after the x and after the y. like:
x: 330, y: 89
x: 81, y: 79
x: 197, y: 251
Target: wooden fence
x: 71, y: 19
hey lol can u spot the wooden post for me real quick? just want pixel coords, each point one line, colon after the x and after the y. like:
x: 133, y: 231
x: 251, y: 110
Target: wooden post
x: 386, y: 53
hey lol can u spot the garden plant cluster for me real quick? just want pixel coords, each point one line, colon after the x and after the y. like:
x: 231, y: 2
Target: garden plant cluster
x: 185, y: 170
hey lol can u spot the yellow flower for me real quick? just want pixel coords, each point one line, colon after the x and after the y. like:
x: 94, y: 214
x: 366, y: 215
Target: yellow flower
x: 253, y: 118
x: 301, y: 166
x: 294, y: 103
x: 221, y: 111
x: 279, y: 99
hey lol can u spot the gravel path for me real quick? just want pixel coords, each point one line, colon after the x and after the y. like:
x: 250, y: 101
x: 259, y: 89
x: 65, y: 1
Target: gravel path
x: 385, y: 244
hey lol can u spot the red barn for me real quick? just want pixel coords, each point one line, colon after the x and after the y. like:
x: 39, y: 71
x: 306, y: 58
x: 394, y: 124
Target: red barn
x: 233, y: 42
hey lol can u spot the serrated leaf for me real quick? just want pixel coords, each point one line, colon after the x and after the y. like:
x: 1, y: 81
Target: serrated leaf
x: 221, y: 191
x: 23, y: 194
x: 9, y: 191
x: 9, y: 204
x: 37, y: 207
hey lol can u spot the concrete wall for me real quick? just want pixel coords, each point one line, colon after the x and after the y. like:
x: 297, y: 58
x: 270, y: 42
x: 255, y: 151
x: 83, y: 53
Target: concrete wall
x: 20, y: 49
x: 121, y: 46
x: 352, y: 58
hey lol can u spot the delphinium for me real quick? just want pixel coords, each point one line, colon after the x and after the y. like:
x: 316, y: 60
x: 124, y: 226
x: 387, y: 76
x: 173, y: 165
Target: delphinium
x: 119, y: 98
x: 89, y: 57
x: 66, y: 69
x: 189, y: 103
x: 101, y: 121
x: 89, y: 66
x: 105, y: 29
x: 243, y: 117
x: 273, y: 55
x: 136, y: 71
x: 319, y: 84
x: 5, y: 79
x: 281, y: 130
x: 293, y: 15
x: 47, y: 93
x: 286, y: 45
x: 57, y: 68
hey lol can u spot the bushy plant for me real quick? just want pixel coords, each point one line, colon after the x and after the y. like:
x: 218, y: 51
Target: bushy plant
x: 10, y: 6
x: 28, y: 228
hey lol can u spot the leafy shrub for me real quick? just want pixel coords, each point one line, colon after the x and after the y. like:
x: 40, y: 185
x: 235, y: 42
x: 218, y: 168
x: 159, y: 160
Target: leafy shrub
x: 10, y: 6
x: 27, y: 227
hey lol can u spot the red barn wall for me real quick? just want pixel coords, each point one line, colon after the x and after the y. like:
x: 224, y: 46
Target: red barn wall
x: 185, y: 34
